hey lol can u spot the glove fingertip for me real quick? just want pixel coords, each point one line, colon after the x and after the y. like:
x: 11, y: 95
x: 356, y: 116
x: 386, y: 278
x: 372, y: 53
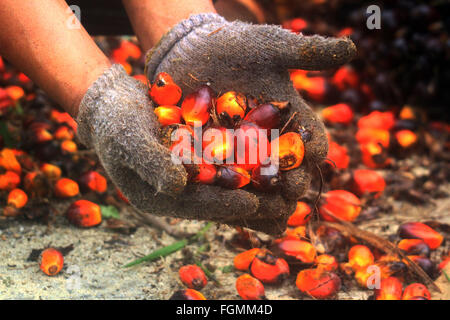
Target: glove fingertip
x: 296, y: 182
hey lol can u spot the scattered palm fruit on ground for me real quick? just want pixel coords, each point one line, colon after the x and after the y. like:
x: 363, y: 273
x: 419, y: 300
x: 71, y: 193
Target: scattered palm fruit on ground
x: 52, y: 261
x: 84, y: 213
x: 390, y: 289
x: 187, y: 294
x: 250, y: 288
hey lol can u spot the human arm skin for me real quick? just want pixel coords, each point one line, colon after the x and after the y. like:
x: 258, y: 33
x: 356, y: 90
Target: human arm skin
x: 64, y: 62
x: 151, y: 19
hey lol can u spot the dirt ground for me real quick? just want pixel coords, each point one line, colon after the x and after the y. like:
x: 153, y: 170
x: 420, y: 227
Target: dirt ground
x: 93, y: 270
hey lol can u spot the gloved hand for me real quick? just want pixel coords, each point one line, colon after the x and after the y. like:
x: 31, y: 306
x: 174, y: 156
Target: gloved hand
x: 254, y: 60
x: 116, y: 119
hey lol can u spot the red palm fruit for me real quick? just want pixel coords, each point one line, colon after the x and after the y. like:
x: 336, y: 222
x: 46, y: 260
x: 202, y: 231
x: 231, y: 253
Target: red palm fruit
x: 296, y: 25
x: 301, y: 215
x: 416, y: 291
x: 414, y: 247
x: 342, y: 204
x: 232, y: 177
x: 326, y: 262
x: 8, y: 161
x: 252, y: 147
x: 265, y: 116
x: 426, y: 264
x: 266, y: 178
x: 345, y: 77
x: 417, y: 230
x: 187, y: 294
x: 319, y: 284
x: 164, y: 91
x: 368, y: 181
x: 374, y: 156
x: 193, y: 277
x: 371, y: 135
x: 206, y: 174
x: 243, y: 260
x: 268, y: 268
x: 64, y: 133
x: 84, y: 213
x: 338, y: 155
x: 360, y: 257
x: 406, y: 138
x: 390, y: 289
x: 9, y: 180
x: 51, y: 171
x: 93, y: 181
x: 296, y: 233
x: 377, y: 120
x: 250, y: 288
x: 197, y: 105
x: 390, y: 266
x: 15, y: 93
x: 126, y: 50
x: 52, y: 261
x: 291, y: 151
x: 17, y: 198
x: 68, y: 146
x: 66, y: 188
x: 314, y: 87
x: 142, y: 78
x: 362, y: 277
x: 338, y: 113
x: 218, y: 145
x: 63, y: 117
x: 231, y: 103
x: 168, y: 115
x: 301, y: 250
x: 407, y: 113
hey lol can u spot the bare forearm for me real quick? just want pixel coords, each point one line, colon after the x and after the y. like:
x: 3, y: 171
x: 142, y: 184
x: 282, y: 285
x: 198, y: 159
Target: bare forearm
x: 35, y: 37
x: 151, y: 19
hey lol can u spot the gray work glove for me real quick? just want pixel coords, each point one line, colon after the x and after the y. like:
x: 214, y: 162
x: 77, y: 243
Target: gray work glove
x: 253, y: 60
x: 116, y: 119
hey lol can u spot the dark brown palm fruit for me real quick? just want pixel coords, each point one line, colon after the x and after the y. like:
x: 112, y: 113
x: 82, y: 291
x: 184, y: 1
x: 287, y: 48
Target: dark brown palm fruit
x: 266, y: 116
x: 266, y: 178
x: 232, y: 177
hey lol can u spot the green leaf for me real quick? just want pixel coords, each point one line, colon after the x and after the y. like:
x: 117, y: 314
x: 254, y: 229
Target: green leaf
x: 18, y: 109
x: 7, y: 138
x: 109, y: 212
x: 227, y: 269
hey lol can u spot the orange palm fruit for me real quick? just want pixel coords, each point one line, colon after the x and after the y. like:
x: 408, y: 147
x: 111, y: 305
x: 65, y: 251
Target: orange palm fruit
x: 17, y: 198
x: 66, y: 188
x: 243, y: 260
x: 250, y: 288
x: 15, y: 92
x: 377, y: 120
x: 296, y: 233
x: 374, y: 155
x: 406, y: 138
x: 168, y: 115
x: 301, y: 215
x: 338, y: 155
x: 231, y: 103
x: 342, y: 204
x: 339, y: 113
x: 326, y: 262
x: 300, y: 249
x: 390, y: 289
x: 317, y: 283
x: 84, y: 213
x: 64, y: 133
x: 68, y: 146
x: 218, y: 145
x: 206, y: 174
x: 268, y: 268
x: 345, y: 77
x: 368, y: 181
x: 414, y: 247
x: 52, y: 261
x: 8, y: 161
x: 251, y: 145
x: 417, y: 230
x: 9, y: 180
x: 291, y: 151
x: 192, y: 276
x: 232, y: 177
x: 187, y: 294
x: 164, y: 90
x: 372, y: 135
x: 51, y: 171
x: 416, y: 291
x: 93, y: 181
x: 197, y: 105
x: 360, y: 257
